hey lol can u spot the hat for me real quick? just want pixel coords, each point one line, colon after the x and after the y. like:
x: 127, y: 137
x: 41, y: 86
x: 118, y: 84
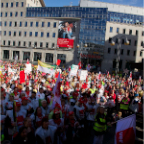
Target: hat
x: 24, y: 98
x: 136, y: 95
x: 56, y: 111
x: 71, y: 113
x: 18, y: 104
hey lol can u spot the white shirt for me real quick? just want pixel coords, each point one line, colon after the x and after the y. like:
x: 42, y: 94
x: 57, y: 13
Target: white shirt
x: 40, y: 95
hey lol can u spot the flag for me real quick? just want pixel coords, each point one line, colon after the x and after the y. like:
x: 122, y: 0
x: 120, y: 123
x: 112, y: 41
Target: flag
x: 58, y: 62
x: 126, y: 130
x: 46, y: 68
x: 27, y: 61
x: 69, y: 69
x: 80, y: 65
x: 22, y: 77
x: 56, y: 92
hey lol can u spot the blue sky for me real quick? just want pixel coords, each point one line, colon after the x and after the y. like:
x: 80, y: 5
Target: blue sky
x: 60, y: 3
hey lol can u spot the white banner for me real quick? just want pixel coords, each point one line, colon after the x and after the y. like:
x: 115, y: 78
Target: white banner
x: 83, y: 74
x: 74, y: 69
x: 28, y: 68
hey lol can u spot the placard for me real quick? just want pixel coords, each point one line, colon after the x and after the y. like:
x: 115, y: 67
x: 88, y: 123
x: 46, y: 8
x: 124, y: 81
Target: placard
x: 83, y: 74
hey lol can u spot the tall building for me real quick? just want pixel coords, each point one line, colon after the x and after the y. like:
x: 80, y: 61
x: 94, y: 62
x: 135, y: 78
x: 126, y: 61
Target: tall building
x: 33, y: 31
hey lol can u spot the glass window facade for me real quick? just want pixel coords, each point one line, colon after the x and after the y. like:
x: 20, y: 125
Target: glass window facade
x: 49, y: 57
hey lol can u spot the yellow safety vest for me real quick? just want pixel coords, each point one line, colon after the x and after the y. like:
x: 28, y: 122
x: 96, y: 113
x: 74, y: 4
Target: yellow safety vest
x: 124, y: 106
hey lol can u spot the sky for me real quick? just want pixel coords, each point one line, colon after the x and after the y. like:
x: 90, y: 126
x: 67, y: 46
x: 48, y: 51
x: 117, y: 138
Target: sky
x: 60, y: 3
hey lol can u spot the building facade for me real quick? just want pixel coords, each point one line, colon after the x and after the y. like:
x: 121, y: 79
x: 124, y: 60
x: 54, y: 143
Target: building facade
x: 31, y: 31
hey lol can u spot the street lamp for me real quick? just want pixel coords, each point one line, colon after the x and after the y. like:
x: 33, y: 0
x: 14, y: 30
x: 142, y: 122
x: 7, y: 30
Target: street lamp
x: 118, y: 52
x: 80, y: 46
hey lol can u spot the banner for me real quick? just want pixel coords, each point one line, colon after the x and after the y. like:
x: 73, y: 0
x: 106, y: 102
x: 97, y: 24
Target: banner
x: 68, y: 43
x: 28, y: 68
x: 11, y: 71
x: 74, y: 69
x: 126, y: 130
x: 46, y: 68
x: 22, y: 77
x: 83, y: 74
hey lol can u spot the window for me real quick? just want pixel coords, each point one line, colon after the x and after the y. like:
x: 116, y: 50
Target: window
x: 6, y: 54
x: 142, y: 43
x: 0, y: 23
x: 140, y: 53
x: 25, y: 33
x: 42, y: 34
x: 142, y: 33
x: 19, y: 43
x: 123, y: 41
x: 136, y: 32
x: 25, y: 24
x: 2, y: 5
x: 53, y: 35
x: 42, y: 24
x: 35, y: 44
x: 4, y: 33
x: 24, y: 43
x: 15, y: 54
x: 122, y: 51
x: 117, y: 30
x: 20, y: 24
x: 115, y: 52
x: 4, y: 42
x: 17, y: 4
x: 49, y: 57
x: 16, y: 14
x: 22, y: 4
x: 9, y: 33
x: 13, y: 43
x: 6, y: 14
x: 111, y: 29
x: 19, y: 33
x: 8, y: 43
x: 130, y: 32
x: 53, y: 45
x: 10, y: 14
x: 134, y: 53
x: 124, y: 31
x: 47, y: 34
x: 1, y: 14
x: 129, y: 42
x: 37, y: 56
x: 135, y: 44
x: 36, y: 34
x: 21, y: 14
x: 29, y: 44
x: 41, y: 44
x: 116, y: 40
x: 128, y: 52
x: 15, y: 24
x: 54, y: 25
x: 5, y: 23
x: 37, y: 24
x: 30, y: 34
x: 26, y: 55
x: 47, y: 45
x: 12, y: 4
x: 62, y: 57
x: 31, y: 24
x: 14, y: 33
x: 10, y: 23
x: 6, y: 5
x: 110, y: 39
x: 48, y: 24
x: 109, y: 50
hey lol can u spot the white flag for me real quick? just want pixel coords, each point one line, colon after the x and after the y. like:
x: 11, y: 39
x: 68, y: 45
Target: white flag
x: 126, y: 130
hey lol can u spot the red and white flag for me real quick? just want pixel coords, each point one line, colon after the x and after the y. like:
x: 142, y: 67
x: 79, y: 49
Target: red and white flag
x: 56, y: 92
x: 126, y: 130
x: 80, y: 65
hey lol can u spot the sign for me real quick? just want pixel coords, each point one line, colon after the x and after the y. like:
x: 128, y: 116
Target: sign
x: 74, y: 69
x: 83, y: 74
x: 28, y: 68
x: 68, y: 43
x: 66, y: 33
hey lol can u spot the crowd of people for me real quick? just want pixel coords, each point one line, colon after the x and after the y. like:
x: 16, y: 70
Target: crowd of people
x: 29, y: 116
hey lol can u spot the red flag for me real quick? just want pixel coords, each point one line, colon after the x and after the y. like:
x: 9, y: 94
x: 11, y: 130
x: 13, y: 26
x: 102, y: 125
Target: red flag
x: 125, y: 130
x: 80, y: 65
x: 69, y: 68
x: 22, y: 77
x: 58, y: 62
